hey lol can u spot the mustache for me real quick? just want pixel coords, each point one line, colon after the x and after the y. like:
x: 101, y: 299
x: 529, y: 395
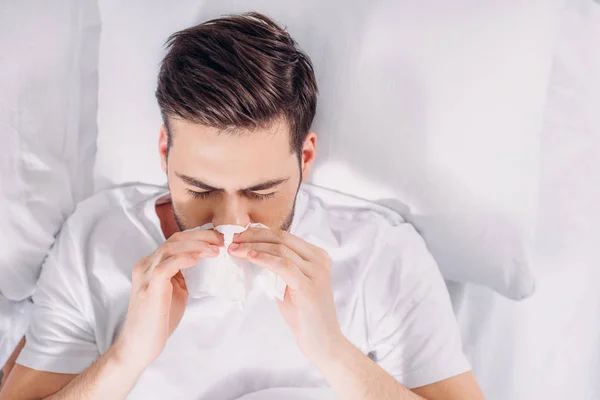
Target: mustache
x: 285, y: 226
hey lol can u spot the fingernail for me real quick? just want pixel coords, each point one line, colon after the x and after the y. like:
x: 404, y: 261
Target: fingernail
x: 252, y: 253
x: 234, y: 246
x: 215, y: 249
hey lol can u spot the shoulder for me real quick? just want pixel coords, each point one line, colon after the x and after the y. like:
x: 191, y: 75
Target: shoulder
x: 98, y: 226
x: 105, y: 208
x: 90, y: 239
x: 338, y: 219
x: 369, y: 241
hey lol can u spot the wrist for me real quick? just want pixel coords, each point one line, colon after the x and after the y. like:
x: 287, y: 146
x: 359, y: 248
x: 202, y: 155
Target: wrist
x: 338, y: 351
x: 124, y: 360
x: 350, y: 373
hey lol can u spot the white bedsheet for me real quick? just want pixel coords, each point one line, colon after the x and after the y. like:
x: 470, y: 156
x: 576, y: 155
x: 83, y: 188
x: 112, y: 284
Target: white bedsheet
x: 48, y: 102
x: 291, y: 394
x: 548, y: 347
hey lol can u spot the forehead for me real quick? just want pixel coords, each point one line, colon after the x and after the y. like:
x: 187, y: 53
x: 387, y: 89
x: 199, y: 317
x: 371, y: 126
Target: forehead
x: 199, y: 150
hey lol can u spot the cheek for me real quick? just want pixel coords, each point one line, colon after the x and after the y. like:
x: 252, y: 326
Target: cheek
x: 191, y: 211
x: 272, y: 212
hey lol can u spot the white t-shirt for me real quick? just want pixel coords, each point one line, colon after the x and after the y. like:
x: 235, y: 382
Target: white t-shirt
x: 391, y: 301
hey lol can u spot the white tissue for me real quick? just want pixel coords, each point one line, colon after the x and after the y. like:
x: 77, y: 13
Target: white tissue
x: 229, y: 277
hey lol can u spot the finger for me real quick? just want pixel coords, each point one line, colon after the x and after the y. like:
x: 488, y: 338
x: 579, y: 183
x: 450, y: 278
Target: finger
x: 299, y: 246
x: 169, y: 249
x: 178, y: 279
x: 292, y: 276
x: 286, y: 306
x: 275, y: 249
x: 166, y: 269
x: 203, y: 235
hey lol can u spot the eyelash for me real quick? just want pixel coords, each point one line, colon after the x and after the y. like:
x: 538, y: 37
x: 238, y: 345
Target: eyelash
x: 255, y: 196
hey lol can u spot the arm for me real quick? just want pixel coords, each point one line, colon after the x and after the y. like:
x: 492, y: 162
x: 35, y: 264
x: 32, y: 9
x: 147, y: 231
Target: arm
x: 10, y: 363
x: 309, y: 310
x: 156, y: 305
x: 27, y: 383
x: 354, y: 376
x: 108, y: 377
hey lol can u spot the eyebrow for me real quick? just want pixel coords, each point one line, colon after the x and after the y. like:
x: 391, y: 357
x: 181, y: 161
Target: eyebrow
x: 258, y: 187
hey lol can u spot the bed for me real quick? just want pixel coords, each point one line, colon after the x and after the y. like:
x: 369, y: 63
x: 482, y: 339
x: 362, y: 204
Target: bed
x: 512, y: 88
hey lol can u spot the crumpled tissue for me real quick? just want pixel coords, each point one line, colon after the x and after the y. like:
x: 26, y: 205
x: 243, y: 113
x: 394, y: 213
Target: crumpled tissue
x: 228, y: 277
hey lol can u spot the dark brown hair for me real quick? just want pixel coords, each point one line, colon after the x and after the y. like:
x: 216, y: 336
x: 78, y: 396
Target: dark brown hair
x: 238, y: 71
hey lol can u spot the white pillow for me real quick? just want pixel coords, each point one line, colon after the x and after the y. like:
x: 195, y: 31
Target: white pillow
x: 48, y: 83
x: 432, y: 108
x: 548, y: 338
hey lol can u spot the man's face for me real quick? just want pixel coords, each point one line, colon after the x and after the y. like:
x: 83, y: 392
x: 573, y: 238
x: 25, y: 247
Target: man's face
x: 233, y: 178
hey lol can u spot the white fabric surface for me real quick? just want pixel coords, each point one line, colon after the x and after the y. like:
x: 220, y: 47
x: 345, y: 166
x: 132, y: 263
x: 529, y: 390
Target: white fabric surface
x: 292, y: 394
x: 14, y: 320
x: 431, y: 108
x: 48, y: 81
x: 547, y: 347
x: 390, y: 297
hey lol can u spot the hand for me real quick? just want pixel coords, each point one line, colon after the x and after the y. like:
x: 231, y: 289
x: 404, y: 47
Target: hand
x: 308, y: 307
x: 159, y: 294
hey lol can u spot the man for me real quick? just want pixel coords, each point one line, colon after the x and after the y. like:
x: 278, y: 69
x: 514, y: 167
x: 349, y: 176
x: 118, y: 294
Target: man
x: 365, y: 310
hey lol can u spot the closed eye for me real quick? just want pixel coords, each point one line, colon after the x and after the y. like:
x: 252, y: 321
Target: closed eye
x: 199, y: 195
x: 252, y: 195
x: 258, y: 196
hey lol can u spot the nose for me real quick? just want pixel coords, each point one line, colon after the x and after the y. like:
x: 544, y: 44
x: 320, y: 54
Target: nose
x: 230, y: 211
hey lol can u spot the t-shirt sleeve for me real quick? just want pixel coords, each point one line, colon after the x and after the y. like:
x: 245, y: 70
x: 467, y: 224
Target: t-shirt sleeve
x: 60, y: 337
x: 414, y: 334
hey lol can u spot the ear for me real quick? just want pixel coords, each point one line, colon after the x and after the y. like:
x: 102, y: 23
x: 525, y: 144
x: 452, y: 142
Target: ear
x: 309, y: 152
x: 163, y: 143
